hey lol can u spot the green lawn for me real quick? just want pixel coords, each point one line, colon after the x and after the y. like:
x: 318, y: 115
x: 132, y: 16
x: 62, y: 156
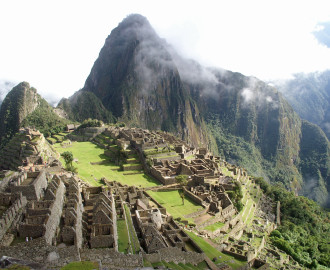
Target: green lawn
x: 123, y: 242
x: 87, y: 152
x: 135, y: 244
x: 225, y: 171
x: 172, y: 201
x: 212, y: 252
x: 214, y: 227
x: 81, y: 266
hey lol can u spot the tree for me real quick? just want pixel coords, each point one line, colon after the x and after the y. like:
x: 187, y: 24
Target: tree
x: 182, y: 179
x: 182, y: 197
x: 68, y: 158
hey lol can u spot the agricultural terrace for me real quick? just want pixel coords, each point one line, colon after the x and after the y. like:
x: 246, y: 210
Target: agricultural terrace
x: 172, y: 201
x: 212, y: 252
x: 86, y: 153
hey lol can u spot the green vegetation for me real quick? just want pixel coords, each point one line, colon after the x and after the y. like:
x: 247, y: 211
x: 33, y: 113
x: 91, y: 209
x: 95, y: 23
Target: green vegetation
x: 91, y: 123
x: 24, y: 107
x: 212, y: 252
x: 18, y: 267
x: 45, y: 119
x: 84, y: 105
x: 68, y: 158
x: 123, y: 242
x: 157, y: 151
x: 171, y: 265
x: 214, y: 227
x: 86, y: 265
x: 236, y: 196
x: 135, y: 244
x: 172, y: 201
x: 301, y: 160
x: 313, y: 105
x: 305, y: 228
x: 87, y: 153
x: 182, y: 180
x: 315, y: 162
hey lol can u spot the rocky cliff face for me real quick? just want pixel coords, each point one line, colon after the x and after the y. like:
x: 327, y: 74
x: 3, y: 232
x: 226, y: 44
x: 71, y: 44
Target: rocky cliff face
x: 142, y: 81
x: 309, y: 95
x: 19, y: 102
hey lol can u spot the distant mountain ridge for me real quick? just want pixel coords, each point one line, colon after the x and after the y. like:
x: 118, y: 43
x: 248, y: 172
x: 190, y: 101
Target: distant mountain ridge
x: 309, y: 95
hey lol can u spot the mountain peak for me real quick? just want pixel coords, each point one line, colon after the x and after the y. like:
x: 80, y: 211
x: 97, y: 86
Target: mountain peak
x: 134, y: 20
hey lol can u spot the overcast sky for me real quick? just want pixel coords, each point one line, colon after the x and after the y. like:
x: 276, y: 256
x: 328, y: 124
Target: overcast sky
x: 53, y: 44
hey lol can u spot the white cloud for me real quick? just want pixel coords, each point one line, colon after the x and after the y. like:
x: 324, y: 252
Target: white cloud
x: 248, y: 95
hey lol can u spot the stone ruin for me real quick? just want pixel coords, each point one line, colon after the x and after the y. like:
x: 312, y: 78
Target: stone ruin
x: 211, y: 196
x: 155, y: 229
x: 11, y: 206
x: 27, y: 148
x: 43, y: 216
x: 63, y: 213
x: 101, y: 218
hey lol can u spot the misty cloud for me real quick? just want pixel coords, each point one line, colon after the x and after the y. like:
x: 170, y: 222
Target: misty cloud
x: 257, y: 92
x: 322, y: 33
x: 248, y: 95
x: 193, y: 73
x: 5, y: 87
x: 327, y: 127
x: 152, y: 64
x: 155, y: 58
x: 152, y: 60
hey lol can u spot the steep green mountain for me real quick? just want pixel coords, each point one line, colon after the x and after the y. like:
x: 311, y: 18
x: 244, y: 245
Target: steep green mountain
x: 83, y: 105
x: 136, y: 79
x: 19, y: 102
x: 309, y: 95
x: 142, y: 81
x: 315, y: 162
x: 23, y: 107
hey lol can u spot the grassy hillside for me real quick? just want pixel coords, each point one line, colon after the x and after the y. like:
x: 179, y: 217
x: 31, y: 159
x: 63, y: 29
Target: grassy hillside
x: 45, y: 120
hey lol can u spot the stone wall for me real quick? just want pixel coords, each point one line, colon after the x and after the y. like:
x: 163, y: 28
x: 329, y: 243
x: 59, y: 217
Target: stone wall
x: 109, y: 257
x: 235, y: 255
x: 10, y: 214
x: 193, y: 197
x: 45, y: 225
x: 86, y: 134
x: 7, y: 177
x: 35, y: 189
x: 176, y: 255
x: 72, y: 229
x: 39, y: 251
